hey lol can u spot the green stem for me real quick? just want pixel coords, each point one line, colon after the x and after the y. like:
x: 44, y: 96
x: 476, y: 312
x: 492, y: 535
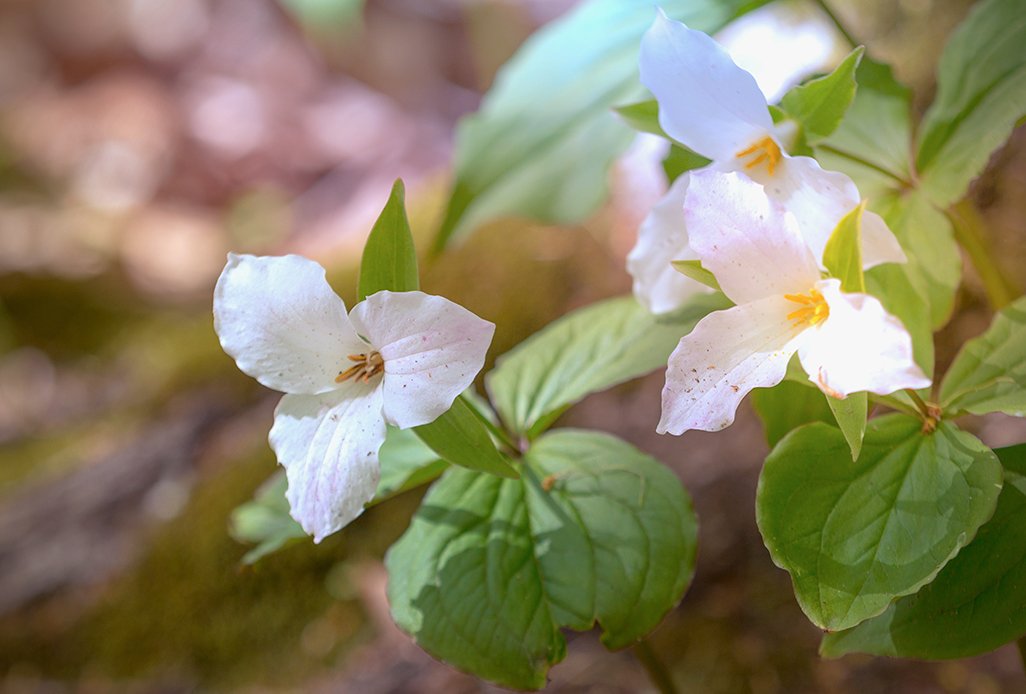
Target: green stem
x: 496, y: 431
x: 970, y: 233
x: 837, y: 23
x: 654, y: 667
x: 924, y: 409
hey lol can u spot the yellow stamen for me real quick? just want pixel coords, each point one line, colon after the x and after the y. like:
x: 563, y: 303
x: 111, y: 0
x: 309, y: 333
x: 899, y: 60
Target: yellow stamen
x: 367, y: 366
x: 766, y: 150
x: 814, y: 308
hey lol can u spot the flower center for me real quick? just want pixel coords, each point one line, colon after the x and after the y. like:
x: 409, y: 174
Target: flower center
x: 366, y: 366
x: 765, y: 151
x: 814, y: 308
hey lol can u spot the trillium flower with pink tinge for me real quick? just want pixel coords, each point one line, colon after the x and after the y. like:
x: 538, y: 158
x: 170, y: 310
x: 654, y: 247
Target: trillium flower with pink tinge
x: 709, y: 104
x: 399, y: 358
x: 846, y: 342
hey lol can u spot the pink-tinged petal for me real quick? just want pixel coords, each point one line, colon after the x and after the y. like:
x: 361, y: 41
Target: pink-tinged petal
x: 859, y: 347
x: 748, y: 241
x: 663, y: 238
x: 705, y: 100
x: 819, y: 199
x: 282, y: 323
x: 433, y: 349
x: 726, y: 355
x: 329, y: 445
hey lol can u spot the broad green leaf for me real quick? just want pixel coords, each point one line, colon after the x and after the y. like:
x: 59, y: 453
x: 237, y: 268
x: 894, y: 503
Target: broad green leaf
x: 820, y: 104
x: 934, y: 261
x: 584, y: 352
x: 406, y: 463
x: 680, y: 160
x: 642, y: 116
x: 977, y: 602
x: 874, y: 141
x: 694, y: 270
x: 459, y: 437
x: 857, y: 535
x: 843, y: 253
x: 787, y: 406
x: 389, y: 258
x: 989, y: 373
x: 491, y: 570
x: 265, y: 521
x: 897, y: 290
x: 981, y: 95
x: 545, y: 136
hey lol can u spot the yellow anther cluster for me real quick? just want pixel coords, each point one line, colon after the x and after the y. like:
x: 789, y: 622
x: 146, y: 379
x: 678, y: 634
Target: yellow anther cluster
x: 765, y: 151
x: 814, y: 308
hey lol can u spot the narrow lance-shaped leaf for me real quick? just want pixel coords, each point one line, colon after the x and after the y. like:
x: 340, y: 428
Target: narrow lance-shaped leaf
x: 460, y: 437
x: 389, y: 257
x: 491, y: 570
x: 857, y: 535
x: 694, y: 270
x: 977, y: 602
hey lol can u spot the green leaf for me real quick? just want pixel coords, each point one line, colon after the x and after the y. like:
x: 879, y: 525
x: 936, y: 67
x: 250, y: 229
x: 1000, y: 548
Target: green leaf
x: 265, y: 521
x: 694, y: 270
x: 490, y: 569
x: 680, y: 160
x: 851, y: 414
x: 843, y: 253
x: 643, y: 116
x: 857, y: 535
x: 545, y: 136
x: 897, y: 290
x: 989, y: 373
x: 820, y: 104
x: 787, y: 406
x: 389, y: 257
x: 461, y: 438
x: 589, y: 350
x: 976, y: 603
x: 406, y: 462
x: 981, y: 95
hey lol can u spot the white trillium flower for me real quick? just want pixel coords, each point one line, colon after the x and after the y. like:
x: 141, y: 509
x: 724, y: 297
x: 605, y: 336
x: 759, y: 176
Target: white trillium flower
x: 715, y: 108
x: 752, y: 244
x: 400, y: 358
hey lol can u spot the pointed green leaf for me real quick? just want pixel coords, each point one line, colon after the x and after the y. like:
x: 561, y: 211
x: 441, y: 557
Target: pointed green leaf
x: 389, y: 257
x: 543, y: 141
x: 787, y: 406
x: 490, y: 570
x: 584, y: 352
x: 680, y: 160
x: 989, y: 373
x: 977, y: 602
x: 820, y: 104
x: 406, y: 462
x: 851, y: 414
x: 981, y: 95
x: 460, y: 437
x: 843, y: 253
x: 857, y: 535
x: 694, y: 270
x: 643, y: 116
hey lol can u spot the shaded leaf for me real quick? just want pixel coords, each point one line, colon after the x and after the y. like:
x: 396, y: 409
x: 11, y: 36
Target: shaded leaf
x: 389, y: 257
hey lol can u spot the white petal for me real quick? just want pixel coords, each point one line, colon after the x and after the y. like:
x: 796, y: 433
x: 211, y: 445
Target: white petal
x: 329, y: 446
x: 748, y: 241
x: 433, y: 349
x: 705, y: 100
x: 663, y: 238
x: 859, y: 347
x: 282, y: 323
x: 726, y: 355
x: 819, y: 199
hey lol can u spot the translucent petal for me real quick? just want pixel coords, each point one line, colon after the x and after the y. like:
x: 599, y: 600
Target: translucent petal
x: 726, y: 355
x: 282, y: 323
x: 663, y: 238
x: 748, y: 241
x: 705, y: 100
x: 329, y: 445
x: 819, y: 199
x: 859, y: 347
x: 433, y: 349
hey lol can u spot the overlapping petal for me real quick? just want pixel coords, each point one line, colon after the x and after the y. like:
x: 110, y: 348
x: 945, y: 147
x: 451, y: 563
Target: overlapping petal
x: 727, y: 355
x: 433, y: 349
x: 329, y: 445
x: 705, y: 100
x: 859, y: 347
x: 748, y: 241
x: 663, y: 238
x: 282, y: 323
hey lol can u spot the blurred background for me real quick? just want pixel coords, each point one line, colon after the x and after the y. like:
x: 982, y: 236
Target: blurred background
x: 140, y: 140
